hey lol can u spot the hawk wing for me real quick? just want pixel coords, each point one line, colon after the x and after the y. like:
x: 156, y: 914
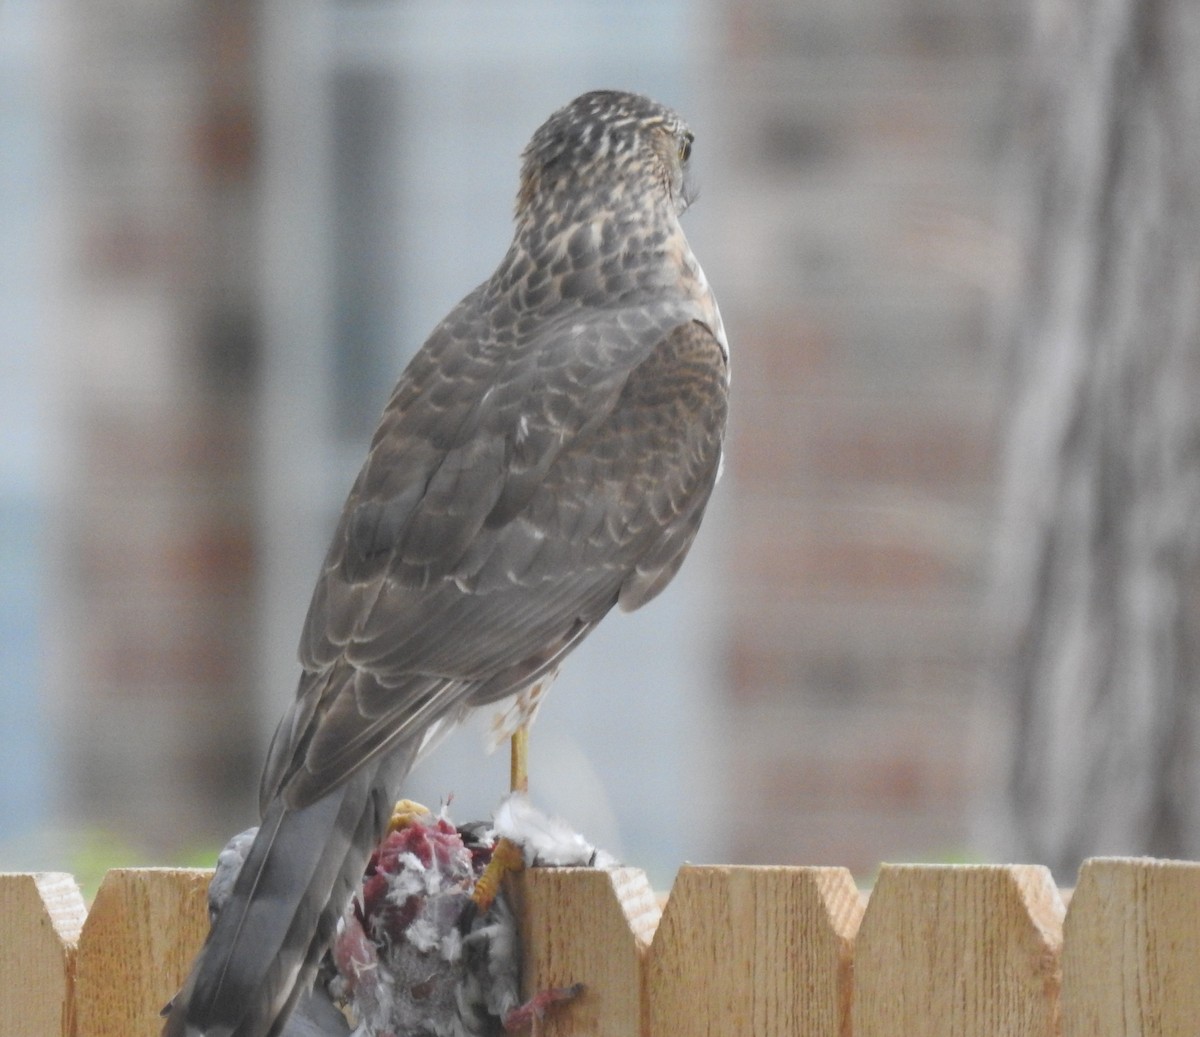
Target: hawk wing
x: 500, y: 515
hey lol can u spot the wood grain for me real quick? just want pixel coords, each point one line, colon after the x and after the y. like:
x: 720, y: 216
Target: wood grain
x: 968, y: 951
x: 590, y: 926
x: 754, y: 950
x: 42, y: 915
x: 144, y: 928
x: 960, y: 951
x: 1131, y: 963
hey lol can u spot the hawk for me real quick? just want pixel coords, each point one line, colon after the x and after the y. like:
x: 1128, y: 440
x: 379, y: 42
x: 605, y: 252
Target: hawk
x: 547, y: 455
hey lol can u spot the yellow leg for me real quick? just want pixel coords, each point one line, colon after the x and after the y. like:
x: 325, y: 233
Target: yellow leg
x: 518, y: 769
x: 507, y: 856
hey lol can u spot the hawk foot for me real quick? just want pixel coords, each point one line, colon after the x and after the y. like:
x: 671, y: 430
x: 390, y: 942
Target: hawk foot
x: 506, y: 857
x: 405, y: 812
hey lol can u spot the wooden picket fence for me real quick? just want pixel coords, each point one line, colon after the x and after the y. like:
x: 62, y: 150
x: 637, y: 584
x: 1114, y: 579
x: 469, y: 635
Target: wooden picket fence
x: 968, y: 951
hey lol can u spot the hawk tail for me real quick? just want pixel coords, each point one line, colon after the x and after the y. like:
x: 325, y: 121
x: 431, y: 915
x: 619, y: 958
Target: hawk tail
x: 298, y: 877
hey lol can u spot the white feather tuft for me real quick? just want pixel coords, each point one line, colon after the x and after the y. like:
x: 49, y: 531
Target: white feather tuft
x: 543, y: 839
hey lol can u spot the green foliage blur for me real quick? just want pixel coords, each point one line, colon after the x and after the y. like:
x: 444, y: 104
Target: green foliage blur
x: 89, y: 853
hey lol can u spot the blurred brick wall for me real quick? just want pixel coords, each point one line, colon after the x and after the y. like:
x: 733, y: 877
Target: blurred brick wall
x: 853, y: 198
x: 859, y: 198
x: 157, y: 147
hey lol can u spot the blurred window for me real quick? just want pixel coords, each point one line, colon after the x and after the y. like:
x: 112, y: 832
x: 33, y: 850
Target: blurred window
x: 393, y: 134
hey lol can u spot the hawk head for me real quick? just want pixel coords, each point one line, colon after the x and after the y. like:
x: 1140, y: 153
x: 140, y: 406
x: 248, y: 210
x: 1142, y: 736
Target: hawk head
x: 603, y: 146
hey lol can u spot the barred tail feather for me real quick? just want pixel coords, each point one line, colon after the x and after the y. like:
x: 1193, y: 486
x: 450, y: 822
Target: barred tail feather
x: 298, y: 877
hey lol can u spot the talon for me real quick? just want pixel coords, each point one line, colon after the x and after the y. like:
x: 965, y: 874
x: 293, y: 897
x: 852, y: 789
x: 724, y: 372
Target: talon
x: 506, y: 857
x: 405, y: 812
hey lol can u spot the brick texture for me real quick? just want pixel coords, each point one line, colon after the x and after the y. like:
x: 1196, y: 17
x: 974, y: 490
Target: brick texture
x: 851, y: 199
x: 859, y: 200
x: 159, y: 529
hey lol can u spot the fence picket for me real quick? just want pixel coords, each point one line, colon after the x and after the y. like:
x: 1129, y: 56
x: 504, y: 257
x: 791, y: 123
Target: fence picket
x: 145, y: 926
x: 41, y: 916
x: 1131, y: 955
x: 969, y: 951
x: 590, y: 926
x: 745, y: 950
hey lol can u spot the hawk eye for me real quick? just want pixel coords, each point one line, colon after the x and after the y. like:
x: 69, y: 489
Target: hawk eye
x: 685, y: 149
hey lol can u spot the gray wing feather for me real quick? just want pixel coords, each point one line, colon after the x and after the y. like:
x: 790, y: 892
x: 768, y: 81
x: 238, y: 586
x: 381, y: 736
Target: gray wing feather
x: 609, y: 516
x: 299, y: 874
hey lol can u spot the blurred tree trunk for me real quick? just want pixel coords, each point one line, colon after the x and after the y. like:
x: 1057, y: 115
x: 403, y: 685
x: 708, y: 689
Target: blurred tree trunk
x: 1099, y: 581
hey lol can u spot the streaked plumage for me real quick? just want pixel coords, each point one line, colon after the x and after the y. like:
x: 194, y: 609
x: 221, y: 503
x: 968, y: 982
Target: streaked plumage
x: 546, y: 455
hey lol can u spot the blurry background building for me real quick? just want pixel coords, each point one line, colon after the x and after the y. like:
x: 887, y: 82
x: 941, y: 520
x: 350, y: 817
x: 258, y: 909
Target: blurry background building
x: 227, y: 225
